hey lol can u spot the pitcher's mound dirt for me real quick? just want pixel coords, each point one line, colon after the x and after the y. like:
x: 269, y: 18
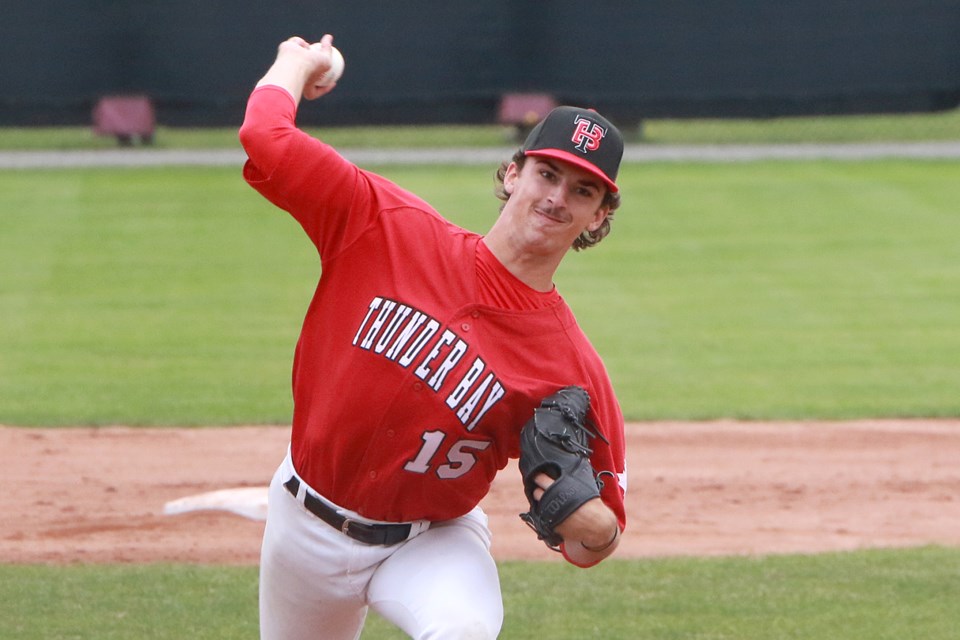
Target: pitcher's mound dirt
x: 97, y: 495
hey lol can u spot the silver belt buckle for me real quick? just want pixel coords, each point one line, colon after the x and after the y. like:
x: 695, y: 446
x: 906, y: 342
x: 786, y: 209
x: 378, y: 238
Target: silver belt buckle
x: 345, y: 527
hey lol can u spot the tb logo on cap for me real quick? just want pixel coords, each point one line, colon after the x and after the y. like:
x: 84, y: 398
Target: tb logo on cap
x: 587, y: 135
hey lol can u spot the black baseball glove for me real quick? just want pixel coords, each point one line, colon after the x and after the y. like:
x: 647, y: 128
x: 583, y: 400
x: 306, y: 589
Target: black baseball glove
x: 556, y: 442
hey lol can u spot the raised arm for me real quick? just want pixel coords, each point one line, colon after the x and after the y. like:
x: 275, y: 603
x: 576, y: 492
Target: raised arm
x: 297, y: 172
x: 269, y: 125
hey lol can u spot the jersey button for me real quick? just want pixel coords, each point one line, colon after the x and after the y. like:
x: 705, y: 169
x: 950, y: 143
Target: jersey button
x: 373, y: 475
x: 475, y: 314
x: 391, y: 433
x: 417, y: 386
x: 465, y: 326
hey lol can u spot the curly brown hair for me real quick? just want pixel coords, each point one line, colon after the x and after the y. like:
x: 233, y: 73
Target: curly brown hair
x: 586, y: 239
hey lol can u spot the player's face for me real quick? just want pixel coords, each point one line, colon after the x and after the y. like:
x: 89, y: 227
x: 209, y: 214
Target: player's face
x: 552, y: 202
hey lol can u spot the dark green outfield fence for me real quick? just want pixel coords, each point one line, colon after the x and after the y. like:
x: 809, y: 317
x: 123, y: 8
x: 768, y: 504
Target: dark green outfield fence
x: 448, y: 61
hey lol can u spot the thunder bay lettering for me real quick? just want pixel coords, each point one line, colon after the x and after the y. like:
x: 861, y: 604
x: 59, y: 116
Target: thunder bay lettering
x: 402, y: 334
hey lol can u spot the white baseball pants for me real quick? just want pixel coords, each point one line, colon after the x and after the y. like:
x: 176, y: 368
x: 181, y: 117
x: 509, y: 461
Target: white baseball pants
x: 315, y: 582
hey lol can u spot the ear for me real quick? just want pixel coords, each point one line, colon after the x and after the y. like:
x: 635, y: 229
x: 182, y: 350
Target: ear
x: 598, y: 218
x: 510, y: 178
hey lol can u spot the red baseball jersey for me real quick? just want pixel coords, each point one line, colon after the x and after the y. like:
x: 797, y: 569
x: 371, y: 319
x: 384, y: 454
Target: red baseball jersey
x: 421, y: 356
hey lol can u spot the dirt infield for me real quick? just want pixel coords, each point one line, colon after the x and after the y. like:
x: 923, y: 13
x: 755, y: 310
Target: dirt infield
x: 97, y: 495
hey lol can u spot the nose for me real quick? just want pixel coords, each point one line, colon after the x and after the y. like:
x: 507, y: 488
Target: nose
x: 558, y: 194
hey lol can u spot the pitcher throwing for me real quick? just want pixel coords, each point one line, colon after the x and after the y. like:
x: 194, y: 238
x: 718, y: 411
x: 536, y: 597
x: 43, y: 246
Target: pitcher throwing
x: 425, y: 351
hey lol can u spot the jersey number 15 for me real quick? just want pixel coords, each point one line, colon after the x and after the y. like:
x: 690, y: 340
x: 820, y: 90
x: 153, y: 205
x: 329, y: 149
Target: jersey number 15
x: 459, y: 460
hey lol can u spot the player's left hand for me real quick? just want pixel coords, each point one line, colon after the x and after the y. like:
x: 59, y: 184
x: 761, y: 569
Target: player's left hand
x: 592, y: 525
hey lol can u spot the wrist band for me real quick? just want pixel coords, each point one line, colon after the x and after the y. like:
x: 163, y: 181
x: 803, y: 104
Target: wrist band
x: 616, y: 532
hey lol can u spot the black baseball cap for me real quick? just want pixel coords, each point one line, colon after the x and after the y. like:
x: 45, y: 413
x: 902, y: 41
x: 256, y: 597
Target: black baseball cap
x: 581, y: 137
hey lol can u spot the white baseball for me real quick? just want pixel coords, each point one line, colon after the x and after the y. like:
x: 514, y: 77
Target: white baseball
x: 336, y: 68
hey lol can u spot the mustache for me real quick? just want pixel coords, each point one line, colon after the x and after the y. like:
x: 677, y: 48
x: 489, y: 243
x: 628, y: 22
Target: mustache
x: 551, y: 211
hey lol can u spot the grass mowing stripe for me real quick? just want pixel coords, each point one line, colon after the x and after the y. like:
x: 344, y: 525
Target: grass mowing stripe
x: 780, y: 290
x: 119, y: 602
x: 865, y: 595
x: 803, y: 129
x: 157, y: 299
x: 760, y: 290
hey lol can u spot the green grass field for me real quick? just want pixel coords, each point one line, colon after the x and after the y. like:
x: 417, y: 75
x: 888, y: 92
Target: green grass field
x: 868, y: 595
x: 762, y: 290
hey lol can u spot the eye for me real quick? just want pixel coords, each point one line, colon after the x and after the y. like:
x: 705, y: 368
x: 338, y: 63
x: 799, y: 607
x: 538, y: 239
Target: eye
x: 585, y: 192
x: 547, y: 174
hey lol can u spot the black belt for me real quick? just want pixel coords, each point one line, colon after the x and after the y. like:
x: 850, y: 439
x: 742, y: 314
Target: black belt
x: 380, y: 534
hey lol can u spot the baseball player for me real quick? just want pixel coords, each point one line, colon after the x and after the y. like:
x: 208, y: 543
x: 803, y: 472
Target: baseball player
x: 425, y: 350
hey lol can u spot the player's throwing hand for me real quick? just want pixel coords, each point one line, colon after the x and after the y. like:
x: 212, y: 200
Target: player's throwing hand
x: 300, y: 68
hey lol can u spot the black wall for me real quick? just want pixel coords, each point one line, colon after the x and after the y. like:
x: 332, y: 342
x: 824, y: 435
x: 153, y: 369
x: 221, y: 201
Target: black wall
x: 432, y: 61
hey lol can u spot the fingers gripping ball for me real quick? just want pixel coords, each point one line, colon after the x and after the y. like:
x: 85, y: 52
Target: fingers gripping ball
x: 336, y: 68
x: 556, y: 442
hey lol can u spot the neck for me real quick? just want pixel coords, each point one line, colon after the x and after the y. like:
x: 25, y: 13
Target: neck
x: 533, y: 270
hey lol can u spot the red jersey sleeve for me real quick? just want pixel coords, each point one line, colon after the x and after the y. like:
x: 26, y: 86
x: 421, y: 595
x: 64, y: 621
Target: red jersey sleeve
x: 331, y: 198
x: 609, y: 458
